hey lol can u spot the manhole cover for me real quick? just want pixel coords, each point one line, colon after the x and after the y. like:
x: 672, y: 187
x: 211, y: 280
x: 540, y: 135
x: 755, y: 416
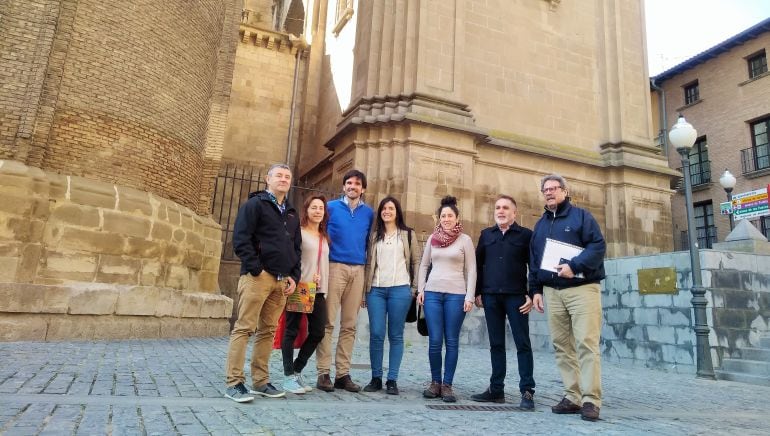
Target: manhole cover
x: 473, y: 408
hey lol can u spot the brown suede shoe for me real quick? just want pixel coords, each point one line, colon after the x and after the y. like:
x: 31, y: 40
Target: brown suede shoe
x: 589, y: 412
x: 447, y: 394
x: 325, y: 383
x: 345, y: 382
x: 565, y: 406
x: 433, y: 391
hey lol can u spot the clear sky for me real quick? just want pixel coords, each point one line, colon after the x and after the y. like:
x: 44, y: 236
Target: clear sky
x: 679, y: 29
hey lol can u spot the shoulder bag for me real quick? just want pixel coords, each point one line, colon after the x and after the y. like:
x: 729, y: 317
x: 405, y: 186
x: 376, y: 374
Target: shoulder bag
x: 303, y: 298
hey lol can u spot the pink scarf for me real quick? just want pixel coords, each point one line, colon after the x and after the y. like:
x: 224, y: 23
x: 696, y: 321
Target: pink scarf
x: 444, y: 238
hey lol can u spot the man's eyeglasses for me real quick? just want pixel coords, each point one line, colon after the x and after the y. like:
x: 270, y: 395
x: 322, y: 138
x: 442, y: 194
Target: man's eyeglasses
x: 550, y: 189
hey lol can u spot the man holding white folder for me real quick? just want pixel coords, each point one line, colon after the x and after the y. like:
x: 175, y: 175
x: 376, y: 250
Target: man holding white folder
x: 567, y: 264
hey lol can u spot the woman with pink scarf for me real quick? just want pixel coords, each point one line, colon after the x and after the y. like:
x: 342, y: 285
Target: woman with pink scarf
x: 447, y: 294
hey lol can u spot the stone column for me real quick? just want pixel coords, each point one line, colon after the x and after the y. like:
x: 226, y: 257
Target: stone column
x: 449, y: 97
x: 637, y: 193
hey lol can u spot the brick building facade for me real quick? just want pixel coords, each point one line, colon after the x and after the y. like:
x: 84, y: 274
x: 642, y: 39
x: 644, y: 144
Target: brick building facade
x: 113, y: 120
x: 724, y: 93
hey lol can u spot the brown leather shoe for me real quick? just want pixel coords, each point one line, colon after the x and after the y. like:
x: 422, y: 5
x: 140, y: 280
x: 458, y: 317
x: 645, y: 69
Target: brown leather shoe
x: 433, y: 391
x: 325, y: 383
x: 447, y: 394
x: 345, y: 382
x: 565, y: 406
x: 589, y: 412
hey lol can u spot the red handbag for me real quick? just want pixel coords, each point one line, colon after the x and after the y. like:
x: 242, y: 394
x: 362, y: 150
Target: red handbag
x: 301, y: 334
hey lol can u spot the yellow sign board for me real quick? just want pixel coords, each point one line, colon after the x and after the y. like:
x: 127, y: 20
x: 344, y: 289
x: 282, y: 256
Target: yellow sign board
x: 657, y: 280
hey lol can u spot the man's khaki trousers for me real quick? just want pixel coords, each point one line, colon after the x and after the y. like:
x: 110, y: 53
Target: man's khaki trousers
x: 346, y: 291
x: 575, y: 321
x: 260, y: 303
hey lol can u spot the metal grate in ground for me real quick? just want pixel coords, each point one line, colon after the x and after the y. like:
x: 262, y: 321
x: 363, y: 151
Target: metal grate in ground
x: 364, y: 366
x: 474, y: 408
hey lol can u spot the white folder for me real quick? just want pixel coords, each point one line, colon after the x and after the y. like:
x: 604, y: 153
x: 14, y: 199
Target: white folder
x: 555, y: 251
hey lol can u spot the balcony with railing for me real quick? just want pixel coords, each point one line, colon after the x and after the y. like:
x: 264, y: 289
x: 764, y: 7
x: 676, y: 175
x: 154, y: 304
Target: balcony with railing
x: 700, y: 175
x: 755, y: 161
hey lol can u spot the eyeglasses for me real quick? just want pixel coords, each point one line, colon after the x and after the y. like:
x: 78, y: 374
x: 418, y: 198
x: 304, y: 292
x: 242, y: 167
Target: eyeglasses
x: 550, y: 189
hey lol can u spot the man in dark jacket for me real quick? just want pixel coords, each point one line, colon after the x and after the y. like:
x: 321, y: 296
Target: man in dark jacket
x: 502, y: 255
x: 572, y: 292
x: 268, y: 241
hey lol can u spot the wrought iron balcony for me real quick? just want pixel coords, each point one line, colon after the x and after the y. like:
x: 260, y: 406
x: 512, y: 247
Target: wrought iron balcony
x: 700, y: 174
x: 755, y: 158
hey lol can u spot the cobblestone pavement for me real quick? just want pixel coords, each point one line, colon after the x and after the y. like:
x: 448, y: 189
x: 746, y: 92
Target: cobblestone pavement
x: 166, y: 387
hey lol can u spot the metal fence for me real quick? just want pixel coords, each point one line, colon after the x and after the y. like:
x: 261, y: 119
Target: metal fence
x: 232, y: 188
x: 707, y: 237
x: 755, y: 158
x: 700, y: 173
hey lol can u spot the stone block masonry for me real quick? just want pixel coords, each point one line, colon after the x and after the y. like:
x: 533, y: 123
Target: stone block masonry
x: 657, y: 330
x: 77, y: 252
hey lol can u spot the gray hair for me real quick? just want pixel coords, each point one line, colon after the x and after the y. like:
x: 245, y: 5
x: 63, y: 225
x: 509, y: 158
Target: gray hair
x: 276, y: 166
x: 554, y: 177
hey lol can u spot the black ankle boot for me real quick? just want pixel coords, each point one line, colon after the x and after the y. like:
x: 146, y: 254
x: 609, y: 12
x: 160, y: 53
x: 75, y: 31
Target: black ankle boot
x: 374, y: 385
x: 391, y: 387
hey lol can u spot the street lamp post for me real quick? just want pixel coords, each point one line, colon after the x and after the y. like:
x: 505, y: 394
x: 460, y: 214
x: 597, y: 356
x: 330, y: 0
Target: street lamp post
x: 682, y: 136
x: 728, y: 183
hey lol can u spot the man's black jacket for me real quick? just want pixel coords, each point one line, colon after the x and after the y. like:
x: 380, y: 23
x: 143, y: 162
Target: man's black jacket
x: 265, y: 239
x: 501, y: 260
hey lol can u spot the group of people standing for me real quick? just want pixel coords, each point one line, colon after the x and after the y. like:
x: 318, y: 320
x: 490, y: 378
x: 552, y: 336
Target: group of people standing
x: 358, y: 258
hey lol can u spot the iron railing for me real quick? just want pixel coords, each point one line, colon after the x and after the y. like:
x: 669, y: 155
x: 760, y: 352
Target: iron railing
x: 755, y: 158
x: 707, y: 237
x: 232, y: 188
x: 700, y: 173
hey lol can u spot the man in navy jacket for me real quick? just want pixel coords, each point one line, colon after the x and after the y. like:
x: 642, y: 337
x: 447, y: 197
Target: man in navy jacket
x: 573, y: 295
x: 268, y: 241
x: 502, y: 255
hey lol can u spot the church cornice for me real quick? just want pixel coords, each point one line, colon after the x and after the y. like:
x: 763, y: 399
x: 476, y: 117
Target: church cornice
x: 270, y: 39
x: 453, y: 115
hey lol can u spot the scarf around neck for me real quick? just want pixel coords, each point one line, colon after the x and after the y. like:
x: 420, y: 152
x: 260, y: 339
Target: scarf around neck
x: 444, y: 238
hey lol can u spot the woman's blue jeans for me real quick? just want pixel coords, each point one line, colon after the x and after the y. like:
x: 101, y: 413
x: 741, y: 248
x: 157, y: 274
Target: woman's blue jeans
x: 391, y: 303
x: 444, y: 315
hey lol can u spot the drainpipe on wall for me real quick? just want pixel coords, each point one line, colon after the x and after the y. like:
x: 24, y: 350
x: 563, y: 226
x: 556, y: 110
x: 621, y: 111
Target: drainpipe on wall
x: 664, y: 135
x: 290, y: 137
x: 663, y: 117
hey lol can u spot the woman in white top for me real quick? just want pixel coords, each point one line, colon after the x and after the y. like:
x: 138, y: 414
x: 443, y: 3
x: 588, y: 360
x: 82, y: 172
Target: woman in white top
x: 315, y: 268
x: 447, y: 294
x: 390, y: 279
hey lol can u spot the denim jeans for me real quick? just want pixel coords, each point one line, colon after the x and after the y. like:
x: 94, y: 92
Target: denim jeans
x: 496, y: 308
x: 392, y: 303
x: 316, y: 326
x: 444, y: 315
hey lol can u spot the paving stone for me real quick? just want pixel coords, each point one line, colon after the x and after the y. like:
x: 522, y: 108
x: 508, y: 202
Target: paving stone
x: 63, y: 420
x: 172, y: 386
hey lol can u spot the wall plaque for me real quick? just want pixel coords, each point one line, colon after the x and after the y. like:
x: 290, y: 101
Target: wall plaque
x: 657, y: 281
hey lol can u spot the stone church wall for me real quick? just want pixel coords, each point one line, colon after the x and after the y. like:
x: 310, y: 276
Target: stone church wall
x: 85, y: 259
x: 113, y: 118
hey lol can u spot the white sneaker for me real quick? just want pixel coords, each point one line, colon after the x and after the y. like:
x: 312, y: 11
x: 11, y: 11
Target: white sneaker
x: 290, y: 385
x: 301, y: 382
